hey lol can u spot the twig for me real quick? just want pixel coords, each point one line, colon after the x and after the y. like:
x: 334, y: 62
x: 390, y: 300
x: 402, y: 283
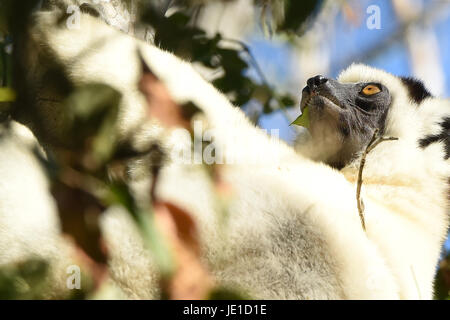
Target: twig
x: 254, y: 63
x: 253, y: 60
x: 376, y: 140
x: 416, y: 283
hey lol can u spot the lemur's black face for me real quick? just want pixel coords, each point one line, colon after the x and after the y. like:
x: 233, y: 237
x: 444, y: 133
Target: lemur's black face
x: 343, y: 116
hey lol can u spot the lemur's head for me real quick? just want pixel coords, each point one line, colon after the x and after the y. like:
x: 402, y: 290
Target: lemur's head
x: 344, y: 113
x: 344, y: 116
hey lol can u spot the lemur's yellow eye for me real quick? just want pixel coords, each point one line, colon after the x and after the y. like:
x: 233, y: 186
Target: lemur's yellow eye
x: 370, y: 90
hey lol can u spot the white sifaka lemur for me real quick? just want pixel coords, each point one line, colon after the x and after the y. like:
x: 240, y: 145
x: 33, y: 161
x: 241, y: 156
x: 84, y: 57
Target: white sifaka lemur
x: 293, y: 230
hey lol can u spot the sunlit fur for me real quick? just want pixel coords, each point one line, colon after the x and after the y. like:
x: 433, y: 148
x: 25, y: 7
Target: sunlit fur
x: 292, y: 229
x: 409, y: 182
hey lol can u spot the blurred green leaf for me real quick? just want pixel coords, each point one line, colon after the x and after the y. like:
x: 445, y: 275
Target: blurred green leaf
x: 297, y: 14
x: 290, y: 16
x: 94, y: 109
x: 24, y: 280
x: 5, y: 9
x: 287, y: 101
x: 92, y: 100
x: 7, y: 95
x: 144, y: 218
x: 262, y: 93
x: 179, y: 34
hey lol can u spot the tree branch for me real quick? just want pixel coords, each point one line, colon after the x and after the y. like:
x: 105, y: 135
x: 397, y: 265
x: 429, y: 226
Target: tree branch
x: 376, y: 140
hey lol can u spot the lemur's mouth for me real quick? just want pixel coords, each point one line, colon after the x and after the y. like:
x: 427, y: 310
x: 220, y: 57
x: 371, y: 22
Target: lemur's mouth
x: 317, y: 102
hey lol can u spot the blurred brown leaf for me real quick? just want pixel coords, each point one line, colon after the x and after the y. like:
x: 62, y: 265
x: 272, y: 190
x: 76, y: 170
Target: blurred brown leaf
x: 79, y: 213
x: 191, y: 280
x: 351, y: 14
x: 161, y: 106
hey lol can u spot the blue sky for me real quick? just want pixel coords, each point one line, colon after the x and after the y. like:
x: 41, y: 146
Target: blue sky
x: 349, y: 41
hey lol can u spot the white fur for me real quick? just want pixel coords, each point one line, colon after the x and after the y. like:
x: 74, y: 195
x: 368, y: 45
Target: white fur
x: 404, y: 179
x: 29, y: 226
x: 292, y: 230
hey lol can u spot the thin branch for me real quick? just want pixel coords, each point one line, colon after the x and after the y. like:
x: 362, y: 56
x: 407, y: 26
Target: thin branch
x: 245, y: 47
x: 253, y: 60
x: 376, y: 140
x: 416, y: 282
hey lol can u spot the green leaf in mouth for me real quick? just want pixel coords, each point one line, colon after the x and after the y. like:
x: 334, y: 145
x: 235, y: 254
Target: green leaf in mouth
x: 303, y: 119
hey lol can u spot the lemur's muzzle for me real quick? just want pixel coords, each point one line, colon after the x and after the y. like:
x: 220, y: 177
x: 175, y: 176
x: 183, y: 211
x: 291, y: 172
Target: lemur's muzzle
x: 316, y: 86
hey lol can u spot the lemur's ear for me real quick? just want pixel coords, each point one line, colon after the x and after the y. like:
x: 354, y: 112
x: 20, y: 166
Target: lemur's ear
x: 418, y: 92
x: 416, y: 89
x: 442, y: 136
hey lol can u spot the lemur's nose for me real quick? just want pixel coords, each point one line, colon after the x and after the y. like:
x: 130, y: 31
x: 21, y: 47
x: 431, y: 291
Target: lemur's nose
x: 315, y: 82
